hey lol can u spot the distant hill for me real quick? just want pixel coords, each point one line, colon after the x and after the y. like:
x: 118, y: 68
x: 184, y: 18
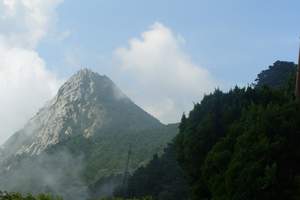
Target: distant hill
x: 80, y: 136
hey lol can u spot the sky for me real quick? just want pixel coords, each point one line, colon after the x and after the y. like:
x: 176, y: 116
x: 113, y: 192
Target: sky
x: 164, y: 54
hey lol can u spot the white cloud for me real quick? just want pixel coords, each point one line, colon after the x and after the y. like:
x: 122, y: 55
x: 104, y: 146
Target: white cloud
x: 160, y: 76
x: 25, y: 82
x: 23, y: 23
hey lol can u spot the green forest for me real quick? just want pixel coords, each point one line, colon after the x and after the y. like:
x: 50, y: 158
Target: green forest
x: 240, y: 144
x: 237, y: 145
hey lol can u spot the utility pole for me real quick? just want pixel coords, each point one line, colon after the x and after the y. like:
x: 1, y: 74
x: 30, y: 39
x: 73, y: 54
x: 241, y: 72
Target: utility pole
x: 126, y: 172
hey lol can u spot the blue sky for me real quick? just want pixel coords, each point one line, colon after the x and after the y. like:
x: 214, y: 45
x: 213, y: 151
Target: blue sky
x: 164, y: 54
x: 233, y: 39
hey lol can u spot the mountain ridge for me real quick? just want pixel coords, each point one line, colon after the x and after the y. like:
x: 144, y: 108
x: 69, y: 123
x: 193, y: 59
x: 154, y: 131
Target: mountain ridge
x: 87, y: 101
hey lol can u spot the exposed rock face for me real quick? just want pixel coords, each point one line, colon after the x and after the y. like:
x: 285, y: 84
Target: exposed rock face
x: 87, y: 104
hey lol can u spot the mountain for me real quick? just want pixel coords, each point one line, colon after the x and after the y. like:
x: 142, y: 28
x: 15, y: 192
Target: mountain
x: 91, y: 123
x: 88, y: 104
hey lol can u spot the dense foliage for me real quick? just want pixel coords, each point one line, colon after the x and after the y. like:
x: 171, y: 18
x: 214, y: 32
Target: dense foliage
x: 242, y: 145
x: 18, y: 196
x: 277, y: 74
x: 161, y: 178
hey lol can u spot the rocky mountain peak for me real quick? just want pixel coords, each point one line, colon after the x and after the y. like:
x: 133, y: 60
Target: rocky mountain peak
x: 84, y: 84
x: 86, y: 75
x: 88, y: 104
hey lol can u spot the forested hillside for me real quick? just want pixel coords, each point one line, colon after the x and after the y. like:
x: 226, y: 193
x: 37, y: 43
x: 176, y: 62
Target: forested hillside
x: 241, y: 145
